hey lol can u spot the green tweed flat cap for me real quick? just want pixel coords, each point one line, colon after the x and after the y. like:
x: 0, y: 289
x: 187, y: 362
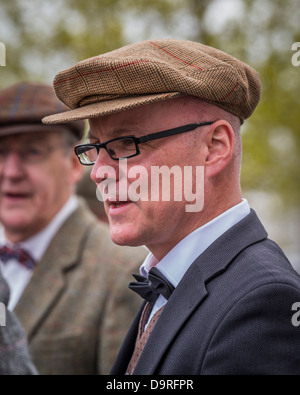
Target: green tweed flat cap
x: 152, y: 71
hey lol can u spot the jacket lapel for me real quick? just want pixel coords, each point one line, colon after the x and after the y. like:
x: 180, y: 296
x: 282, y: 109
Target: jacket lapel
x: 191, y: 291
x: 49, y: 279
x: 179, y: 308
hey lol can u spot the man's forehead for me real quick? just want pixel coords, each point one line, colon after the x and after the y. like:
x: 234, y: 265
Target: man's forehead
x: 115, y: 127
x: 23, y: 138
x: 150, y: 115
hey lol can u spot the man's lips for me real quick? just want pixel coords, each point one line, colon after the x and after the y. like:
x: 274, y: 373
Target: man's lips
x: 16, y: 195
x: 117, y: 204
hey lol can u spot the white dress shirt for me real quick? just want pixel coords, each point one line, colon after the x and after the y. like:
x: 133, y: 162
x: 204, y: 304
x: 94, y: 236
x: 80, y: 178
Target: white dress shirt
x: 175, y: 264
x: 17, y: 276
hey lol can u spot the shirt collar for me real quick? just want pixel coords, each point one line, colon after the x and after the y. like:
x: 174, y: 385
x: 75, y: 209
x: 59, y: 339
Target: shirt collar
x: 175, y: 264
x: 38, y: 244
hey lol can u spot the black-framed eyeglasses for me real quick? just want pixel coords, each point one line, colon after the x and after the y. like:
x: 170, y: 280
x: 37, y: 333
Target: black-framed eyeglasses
x: 128, y: 146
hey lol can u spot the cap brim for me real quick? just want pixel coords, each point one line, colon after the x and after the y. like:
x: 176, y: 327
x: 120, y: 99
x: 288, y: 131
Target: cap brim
x: 14, y: 129
x: 103, y: 108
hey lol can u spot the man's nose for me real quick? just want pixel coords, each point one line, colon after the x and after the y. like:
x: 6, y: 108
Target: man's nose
x: 12, y: 166
x: 104, y: 168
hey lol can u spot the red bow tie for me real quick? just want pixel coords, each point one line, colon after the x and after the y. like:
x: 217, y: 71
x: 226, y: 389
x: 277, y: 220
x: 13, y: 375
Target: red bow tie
x: 21, y: 255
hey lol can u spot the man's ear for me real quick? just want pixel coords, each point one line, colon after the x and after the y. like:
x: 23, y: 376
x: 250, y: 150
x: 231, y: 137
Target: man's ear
x: 220, y: 147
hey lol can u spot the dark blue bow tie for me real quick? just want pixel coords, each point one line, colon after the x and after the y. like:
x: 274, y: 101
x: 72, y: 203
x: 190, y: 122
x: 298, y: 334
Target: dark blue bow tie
x: 149, y: 289
x: 21, y: 255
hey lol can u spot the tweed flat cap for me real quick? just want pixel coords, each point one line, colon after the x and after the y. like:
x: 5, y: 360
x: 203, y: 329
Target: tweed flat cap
x: 22, y: 107
x: 152, y: 71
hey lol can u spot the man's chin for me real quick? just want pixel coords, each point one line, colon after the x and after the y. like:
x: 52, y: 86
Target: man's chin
x: 125, y: 237
x: 16, y: 224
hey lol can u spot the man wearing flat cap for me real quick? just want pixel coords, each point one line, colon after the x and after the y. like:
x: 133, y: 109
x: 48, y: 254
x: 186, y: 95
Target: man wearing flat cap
x: 66, y: 277
x: 218, y: 293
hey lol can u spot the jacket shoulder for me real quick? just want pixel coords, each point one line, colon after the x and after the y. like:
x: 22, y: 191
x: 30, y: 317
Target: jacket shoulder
x: 253, y: 331
x: 268, y: 263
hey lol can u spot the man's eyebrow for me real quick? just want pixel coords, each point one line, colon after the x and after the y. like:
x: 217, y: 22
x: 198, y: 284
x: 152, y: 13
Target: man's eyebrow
x: 118, y: 132
x: 124, y: 131
x: 33, y: 140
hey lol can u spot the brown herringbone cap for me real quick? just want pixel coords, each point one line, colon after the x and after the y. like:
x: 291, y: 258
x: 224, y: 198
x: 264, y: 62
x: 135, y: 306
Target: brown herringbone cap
x: 22, y: 107
x: 152, y: 71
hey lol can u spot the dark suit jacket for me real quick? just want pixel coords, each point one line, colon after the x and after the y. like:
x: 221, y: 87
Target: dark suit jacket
x: 14, y: 355
x: 76, y: 309
x: 230, y: 314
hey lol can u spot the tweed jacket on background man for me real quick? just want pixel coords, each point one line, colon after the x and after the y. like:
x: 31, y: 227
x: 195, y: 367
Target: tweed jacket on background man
x: 14, y: 355
x: 77, y: 309
x: 234, y: 306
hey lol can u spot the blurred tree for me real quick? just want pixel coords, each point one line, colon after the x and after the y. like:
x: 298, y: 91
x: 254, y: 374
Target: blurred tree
x: 43, y: 37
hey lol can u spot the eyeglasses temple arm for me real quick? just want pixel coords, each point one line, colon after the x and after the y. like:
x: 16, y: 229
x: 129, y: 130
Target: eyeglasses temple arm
x: 171, y: 132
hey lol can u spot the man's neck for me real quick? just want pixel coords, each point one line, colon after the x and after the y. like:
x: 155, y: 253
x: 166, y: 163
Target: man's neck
x: 159, y: 251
